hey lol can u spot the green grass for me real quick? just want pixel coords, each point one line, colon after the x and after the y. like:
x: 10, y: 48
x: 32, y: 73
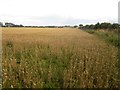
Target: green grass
x: 90, y: 31
x: 109, y: 36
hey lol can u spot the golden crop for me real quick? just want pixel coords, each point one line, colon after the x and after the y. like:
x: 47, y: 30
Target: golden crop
x: 56, y: 57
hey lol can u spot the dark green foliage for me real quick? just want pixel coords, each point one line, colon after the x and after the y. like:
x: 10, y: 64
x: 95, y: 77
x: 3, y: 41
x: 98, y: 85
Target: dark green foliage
x: 104, y: 25
x: 75, y: 26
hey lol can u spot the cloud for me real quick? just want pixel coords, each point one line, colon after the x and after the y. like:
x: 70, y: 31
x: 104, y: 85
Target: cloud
x: 52, y: 20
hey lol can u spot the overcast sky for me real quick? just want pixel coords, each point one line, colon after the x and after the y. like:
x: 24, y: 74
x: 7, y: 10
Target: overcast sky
x: 58, y: 12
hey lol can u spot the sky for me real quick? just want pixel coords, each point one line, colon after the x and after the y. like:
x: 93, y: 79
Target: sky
x: 58, y: 12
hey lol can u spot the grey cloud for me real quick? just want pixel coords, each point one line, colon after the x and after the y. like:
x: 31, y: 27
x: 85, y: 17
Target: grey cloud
x: 55, y: 20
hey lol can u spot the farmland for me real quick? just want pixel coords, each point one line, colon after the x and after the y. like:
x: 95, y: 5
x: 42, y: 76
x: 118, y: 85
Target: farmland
x: 57, y: 58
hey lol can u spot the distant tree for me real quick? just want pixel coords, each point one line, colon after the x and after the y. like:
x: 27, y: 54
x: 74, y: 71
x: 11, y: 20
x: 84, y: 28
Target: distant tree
x: 91, y: 26
x: 106, y: 25
x: 81, y: 25
x: 115, y: 26
x: 86, y: 27
x: 67, y: 26
x: 21, y: 25
x: 112, y: 27
x: 75, y: 26
x: 97, y: 26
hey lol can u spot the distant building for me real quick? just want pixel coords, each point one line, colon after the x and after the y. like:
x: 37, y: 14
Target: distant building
x: 1, y: 24
x: 9, y: 24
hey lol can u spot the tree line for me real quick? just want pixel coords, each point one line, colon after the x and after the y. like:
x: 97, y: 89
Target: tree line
x: 96, y: 26
x: 100, y: 26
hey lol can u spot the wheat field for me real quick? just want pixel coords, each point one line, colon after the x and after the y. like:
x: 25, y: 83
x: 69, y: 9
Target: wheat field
x: 56, y: 58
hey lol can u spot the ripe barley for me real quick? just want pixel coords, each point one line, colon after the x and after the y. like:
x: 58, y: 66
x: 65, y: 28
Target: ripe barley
x: 38, y: 58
